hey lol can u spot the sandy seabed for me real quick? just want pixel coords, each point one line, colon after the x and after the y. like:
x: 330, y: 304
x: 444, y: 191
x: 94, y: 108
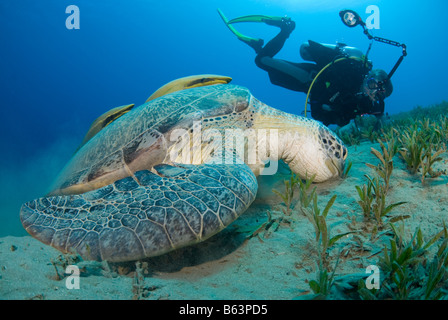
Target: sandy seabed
x: 275, y: 264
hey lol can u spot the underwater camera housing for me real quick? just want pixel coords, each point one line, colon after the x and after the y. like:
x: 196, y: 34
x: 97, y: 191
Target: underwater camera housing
x: 351, y: 19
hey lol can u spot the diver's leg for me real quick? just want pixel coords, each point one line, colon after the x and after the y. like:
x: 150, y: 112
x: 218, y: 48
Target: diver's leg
x: 256, y: 44
x: 292, y: 76
x: 276, y: 44
x: 289, y: 75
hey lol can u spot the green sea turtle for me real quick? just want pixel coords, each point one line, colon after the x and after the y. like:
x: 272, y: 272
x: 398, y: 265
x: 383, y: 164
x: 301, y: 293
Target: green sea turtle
x: 169, y: 173
x: 176, y: 85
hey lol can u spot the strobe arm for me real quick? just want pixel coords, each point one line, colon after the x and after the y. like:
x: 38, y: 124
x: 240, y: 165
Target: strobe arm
x: 392, y: 43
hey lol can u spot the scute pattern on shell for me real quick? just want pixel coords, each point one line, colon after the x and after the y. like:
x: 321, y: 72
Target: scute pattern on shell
x: 113, y: 148
x: 131, y: 219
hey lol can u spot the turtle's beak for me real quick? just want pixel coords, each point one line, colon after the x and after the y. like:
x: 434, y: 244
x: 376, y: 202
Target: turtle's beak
x: 336, y: 166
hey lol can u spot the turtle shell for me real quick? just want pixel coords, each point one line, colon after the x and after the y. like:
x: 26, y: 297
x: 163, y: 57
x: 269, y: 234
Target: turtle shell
x: 140, y: 139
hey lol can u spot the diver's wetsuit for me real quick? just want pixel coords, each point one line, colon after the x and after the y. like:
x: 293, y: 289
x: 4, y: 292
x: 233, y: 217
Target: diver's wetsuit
x: 290, y: 75
x: 336, y: 96
x: 340, y: 88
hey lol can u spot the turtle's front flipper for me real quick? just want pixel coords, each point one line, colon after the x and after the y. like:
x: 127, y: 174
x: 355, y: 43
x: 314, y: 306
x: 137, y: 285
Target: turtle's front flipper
x: 130, y: 220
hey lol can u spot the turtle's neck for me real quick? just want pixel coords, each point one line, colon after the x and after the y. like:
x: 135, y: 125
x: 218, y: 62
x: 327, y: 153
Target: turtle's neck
x: 289, y: 129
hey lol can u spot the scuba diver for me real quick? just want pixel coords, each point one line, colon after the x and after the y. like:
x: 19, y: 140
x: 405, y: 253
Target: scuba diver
x: 340, y: 81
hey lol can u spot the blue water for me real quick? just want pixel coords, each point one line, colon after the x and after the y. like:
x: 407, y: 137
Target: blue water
x: 55, y: 81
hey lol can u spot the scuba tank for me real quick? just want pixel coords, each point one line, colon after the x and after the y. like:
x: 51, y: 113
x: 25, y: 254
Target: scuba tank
x: 322, y: 53
x: 326, y: 56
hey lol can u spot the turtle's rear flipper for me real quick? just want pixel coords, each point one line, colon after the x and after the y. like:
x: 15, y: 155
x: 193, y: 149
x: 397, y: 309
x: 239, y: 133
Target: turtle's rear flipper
x: 146, y: 216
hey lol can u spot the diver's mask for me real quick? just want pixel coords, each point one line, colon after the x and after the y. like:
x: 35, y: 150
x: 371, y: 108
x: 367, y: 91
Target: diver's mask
x: 374, y: 89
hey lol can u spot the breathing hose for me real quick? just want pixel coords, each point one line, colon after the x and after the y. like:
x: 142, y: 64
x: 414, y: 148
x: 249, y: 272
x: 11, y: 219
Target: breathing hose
x: 320, y: 72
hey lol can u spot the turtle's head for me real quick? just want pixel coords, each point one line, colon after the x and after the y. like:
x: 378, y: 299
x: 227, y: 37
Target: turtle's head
x: 321, y: 154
